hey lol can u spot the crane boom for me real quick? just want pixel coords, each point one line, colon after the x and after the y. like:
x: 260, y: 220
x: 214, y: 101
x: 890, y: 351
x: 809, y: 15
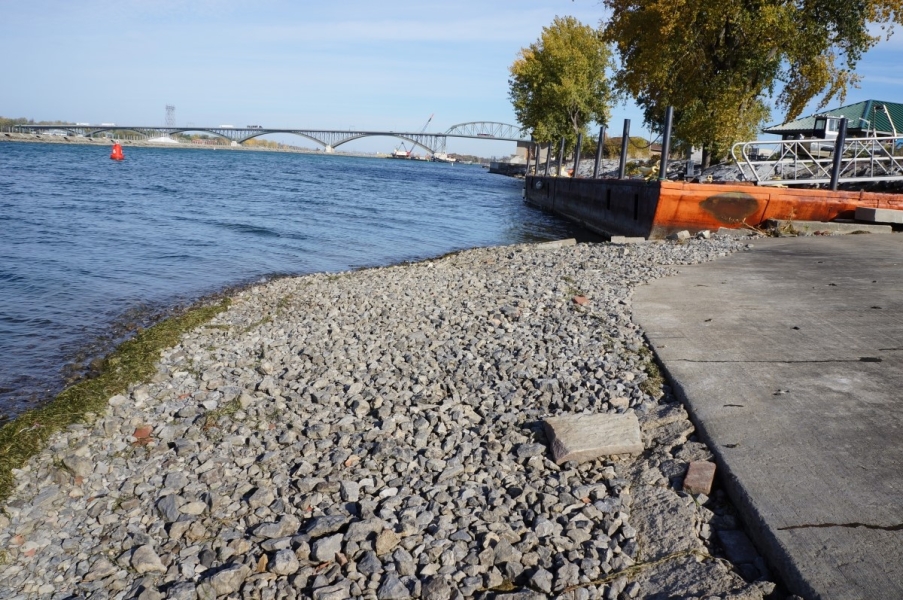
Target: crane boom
x: 427, y: 123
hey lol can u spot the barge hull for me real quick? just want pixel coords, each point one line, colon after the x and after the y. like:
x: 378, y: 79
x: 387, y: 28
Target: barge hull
x: 655, y: 209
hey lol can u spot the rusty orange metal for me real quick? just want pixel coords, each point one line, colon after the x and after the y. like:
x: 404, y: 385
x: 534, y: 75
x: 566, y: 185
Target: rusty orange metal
x: 657, y: 208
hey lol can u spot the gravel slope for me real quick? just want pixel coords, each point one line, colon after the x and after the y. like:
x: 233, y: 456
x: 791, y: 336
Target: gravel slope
x: 377, y: 434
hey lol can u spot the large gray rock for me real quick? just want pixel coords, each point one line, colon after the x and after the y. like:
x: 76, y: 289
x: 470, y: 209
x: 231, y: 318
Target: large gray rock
x: 285, y: 526
x: 182, y: 591
x: 660, y: 515
x: 145, y: 560
x: 320, y: 526
x: 168, y: 507
x: 79, y: 465
x: 589, y: 436
x: 229, y: 579
x: 436, y: 587
x: 338, y: 591
x: 542, y: 580
x: 386, y: 540
x: 392, y: 589
x: 283, y: 562
x: 326, y: 548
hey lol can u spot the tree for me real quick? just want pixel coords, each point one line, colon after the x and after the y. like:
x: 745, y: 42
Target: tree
x: 559, y: 83
x: 720, y: 62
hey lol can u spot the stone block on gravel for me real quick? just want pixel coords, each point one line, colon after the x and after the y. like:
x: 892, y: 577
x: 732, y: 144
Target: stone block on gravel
x: 699, y: 477
x: 586, y: 437
x: 555, y: 244
x: 623, y: 239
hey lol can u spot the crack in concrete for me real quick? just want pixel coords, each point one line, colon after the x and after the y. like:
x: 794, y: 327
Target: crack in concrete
x: 898, y: 527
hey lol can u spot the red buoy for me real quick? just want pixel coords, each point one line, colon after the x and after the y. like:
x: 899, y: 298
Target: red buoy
x: 117, y: 152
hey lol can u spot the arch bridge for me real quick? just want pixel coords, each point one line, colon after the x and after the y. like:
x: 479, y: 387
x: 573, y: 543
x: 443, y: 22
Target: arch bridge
x: 330, y: 139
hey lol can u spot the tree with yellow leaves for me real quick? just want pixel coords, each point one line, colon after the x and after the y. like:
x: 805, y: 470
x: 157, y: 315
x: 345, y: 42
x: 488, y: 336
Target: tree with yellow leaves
x: 719, y: 62
x: 559, y: 84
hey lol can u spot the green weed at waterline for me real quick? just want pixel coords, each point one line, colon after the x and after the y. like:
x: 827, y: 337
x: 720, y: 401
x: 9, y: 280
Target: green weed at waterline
x: 132, y: 362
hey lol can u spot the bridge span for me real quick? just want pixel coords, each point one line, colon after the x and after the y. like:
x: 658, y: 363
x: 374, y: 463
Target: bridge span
x: 330, y: 139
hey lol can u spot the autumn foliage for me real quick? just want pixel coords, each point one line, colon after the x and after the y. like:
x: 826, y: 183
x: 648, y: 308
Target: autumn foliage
x: 559, y: 84
x: 722, y: 63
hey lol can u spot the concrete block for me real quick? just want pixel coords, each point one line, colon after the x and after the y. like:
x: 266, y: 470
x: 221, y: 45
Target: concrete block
x: 699, y: 477
x: 879, y: 215
x: 623, y: 239
x: 556, y: 244
x: 587, y: 437
x: 679, y: 235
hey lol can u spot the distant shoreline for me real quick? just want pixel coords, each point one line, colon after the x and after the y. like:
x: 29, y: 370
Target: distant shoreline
x: 86, y: 141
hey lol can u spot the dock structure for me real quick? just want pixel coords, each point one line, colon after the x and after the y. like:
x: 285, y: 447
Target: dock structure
x: 658, y: 208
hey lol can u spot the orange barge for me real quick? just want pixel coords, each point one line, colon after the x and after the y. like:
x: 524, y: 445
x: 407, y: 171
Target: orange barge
x: 655, y: 209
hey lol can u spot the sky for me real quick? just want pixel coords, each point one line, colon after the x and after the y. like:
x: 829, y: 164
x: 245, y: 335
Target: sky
x: 347, y: 64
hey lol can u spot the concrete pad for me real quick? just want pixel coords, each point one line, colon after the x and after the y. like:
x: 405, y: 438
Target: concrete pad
x: 789, y: 360
x: 587, y: 437
x: 823, y: 227
x: 700, y: 477
x: 879, y: 215
x: 556, y: 244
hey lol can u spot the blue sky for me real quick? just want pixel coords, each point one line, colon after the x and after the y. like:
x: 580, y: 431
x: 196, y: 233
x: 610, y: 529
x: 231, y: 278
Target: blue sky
x: 347, y: 64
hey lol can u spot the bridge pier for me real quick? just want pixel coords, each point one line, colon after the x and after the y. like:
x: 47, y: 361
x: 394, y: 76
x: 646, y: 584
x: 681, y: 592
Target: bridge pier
x: 329, y: 149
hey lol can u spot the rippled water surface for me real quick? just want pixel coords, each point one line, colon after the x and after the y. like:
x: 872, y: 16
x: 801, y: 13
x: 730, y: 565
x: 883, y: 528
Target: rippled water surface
x: 87, y: 242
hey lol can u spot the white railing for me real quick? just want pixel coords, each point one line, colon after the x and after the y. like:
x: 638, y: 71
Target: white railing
x: 804, y: 162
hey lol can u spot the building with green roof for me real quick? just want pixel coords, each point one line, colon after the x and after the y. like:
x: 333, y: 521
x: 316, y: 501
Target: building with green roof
x: 864, y: 119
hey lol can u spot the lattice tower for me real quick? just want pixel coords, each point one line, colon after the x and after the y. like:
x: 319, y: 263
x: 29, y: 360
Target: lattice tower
x: 170, y: 115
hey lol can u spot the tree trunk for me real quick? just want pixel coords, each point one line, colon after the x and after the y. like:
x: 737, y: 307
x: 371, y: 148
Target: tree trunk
x: 706, y: 158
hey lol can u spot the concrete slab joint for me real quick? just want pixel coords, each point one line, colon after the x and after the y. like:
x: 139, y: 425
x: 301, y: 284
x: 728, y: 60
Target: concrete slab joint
x: 588, y: 436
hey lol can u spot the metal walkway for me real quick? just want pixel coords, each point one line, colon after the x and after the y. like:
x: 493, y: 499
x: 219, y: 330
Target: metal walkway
x: 808, y: 162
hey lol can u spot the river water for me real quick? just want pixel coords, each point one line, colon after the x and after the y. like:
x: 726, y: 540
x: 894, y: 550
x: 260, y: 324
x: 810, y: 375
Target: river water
x: 90, y: 247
